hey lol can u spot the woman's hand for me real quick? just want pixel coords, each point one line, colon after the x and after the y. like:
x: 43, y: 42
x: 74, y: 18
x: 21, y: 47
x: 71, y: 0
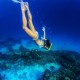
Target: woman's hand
x: 43, y: 28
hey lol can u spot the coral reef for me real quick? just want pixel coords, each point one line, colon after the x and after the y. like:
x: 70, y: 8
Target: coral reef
x: 35, y: 64
x: 69, y: 70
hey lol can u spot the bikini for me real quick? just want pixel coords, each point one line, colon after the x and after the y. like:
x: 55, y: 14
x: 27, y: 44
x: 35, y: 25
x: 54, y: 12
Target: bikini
x: 40, y: 45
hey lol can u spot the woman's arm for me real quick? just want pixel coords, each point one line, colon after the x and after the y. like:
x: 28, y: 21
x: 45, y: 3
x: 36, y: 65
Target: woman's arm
x: 44, y: 36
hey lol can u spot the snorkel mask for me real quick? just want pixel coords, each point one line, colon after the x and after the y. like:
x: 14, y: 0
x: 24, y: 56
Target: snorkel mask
x: 47, y: 44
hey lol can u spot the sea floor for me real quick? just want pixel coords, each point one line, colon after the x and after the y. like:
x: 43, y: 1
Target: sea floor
x: 20, y: 60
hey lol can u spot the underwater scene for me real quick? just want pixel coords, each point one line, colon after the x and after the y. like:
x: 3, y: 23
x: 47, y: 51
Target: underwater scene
x: 39, y: 39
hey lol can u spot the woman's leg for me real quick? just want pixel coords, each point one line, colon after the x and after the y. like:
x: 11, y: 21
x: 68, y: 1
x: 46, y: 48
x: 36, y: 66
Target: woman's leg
x: 24, y: 20
x: 30, y: 23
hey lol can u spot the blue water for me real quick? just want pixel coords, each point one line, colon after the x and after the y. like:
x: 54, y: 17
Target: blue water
x: 61, y: 18
x: 62, y: 21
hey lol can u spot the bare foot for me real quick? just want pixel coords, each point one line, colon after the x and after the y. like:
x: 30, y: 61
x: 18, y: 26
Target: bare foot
x: 22, y: 7
x: 26, y: 5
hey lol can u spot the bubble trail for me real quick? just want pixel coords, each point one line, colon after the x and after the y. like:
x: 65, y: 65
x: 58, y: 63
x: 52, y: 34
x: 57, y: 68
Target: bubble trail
x: 19, y: 1
x: 16, y: 1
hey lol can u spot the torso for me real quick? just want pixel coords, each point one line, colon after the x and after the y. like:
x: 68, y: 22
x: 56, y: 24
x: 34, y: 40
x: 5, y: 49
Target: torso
x: 39, y: 42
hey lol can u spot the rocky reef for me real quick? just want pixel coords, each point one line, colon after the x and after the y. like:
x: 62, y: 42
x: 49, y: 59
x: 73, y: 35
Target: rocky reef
x: 69, y: 62
x: 25, y: 64
x: 70, y: 66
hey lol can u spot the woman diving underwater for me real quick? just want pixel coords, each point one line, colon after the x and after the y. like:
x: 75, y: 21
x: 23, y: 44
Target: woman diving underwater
x: 44, y: 43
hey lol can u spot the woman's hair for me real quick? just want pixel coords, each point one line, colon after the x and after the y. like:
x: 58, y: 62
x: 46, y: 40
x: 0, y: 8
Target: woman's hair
x: 47, y: 43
